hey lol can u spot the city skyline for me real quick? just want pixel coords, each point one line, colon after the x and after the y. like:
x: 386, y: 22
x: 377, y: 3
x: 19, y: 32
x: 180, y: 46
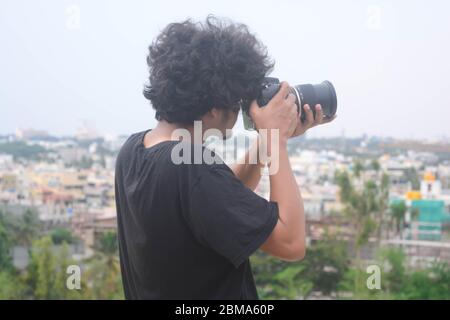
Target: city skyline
x: 89, y: 132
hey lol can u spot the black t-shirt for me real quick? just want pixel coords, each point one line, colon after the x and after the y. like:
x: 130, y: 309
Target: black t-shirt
x: 186, y: 231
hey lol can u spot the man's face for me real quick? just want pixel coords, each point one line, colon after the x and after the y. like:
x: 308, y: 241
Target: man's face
x: 229, y: 120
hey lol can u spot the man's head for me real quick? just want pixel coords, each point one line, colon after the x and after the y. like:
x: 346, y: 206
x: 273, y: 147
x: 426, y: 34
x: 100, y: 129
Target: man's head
x: 201, y: 71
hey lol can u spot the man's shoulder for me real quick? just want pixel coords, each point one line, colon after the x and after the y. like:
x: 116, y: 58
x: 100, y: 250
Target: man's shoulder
x: 127, y: 147
x: 134, y: 137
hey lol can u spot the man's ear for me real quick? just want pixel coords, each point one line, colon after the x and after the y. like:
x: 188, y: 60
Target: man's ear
x: 214, y: 113
x: 213, y: 116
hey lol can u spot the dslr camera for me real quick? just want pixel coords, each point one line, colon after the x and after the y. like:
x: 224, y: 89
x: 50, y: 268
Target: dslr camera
x: 311, y: 94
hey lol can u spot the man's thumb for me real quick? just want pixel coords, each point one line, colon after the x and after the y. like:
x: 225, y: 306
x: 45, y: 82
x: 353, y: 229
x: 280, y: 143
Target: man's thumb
x: 254, y: 109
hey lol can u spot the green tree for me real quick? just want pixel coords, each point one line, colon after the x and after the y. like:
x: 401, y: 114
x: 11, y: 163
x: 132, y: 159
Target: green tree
x: 354, y: 286
x: 5, y: 248
x: 358, y: 167
x: 359, y: 207
x: 103, y: 271
x: 27, y: 228
x: 364, y: 208
x: 61, y: 235
x: 289, y: 283
x: 375, y: 165
x: 22, y: 229
x: 324, y: 265
x: 412, y: 177
x: 393, y: 260
x: 63, y: 261
x: 20, y: 149
x: 277, y: 279
x: 41, y: 270
x: 432, y: 283
x: 398, y: 211
x: 47, y: 272
x: 10, y: 287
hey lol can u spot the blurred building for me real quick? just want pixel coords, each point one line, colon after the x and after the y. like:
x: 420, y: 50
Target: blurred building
x: 31, y: 134
x: 427, y: 212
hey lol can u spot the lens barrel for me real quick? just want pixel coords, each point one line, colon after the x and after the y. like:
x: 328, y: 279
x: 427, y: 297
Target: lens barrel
x: 323, y: 94
x: 311, y: 94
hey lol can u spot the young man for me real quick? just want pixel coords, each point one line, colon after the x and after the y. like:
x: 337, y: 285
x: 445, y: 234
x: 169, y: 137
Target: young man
x: 186, y: 231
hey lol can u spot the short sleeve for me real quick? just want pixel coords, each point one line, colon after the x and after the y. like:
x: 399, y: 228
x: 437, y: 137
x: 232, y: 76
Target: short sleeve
x: 227, y: 216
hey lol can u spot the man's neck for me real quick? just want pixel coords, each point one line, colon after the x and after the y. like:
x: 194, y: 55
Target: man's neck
x: 166, y: 131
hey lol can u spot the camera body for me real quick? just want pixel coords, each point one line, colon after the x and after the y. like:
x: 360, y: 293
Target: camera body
x: 323, y: 94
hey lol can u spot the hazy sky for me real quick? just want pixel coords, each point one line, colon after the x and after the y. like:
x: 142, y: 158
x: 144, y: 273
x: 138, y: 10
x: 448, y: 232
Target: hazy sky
x: 64, y: 62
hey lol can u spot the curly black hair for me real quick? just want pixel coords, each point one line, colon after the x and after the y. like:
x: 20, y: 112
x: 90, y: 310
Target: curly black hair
x: 197, y: 66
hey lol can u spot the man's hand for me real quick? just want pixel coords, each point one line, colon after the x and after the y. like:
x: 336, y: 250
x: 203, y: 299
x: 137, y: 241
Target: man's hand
x: 279, y: 114
x: 310, y: 121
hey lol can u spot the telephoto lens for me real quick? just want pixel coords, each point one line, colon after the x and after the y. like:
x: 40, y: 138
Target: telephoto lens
x: 311, y: 94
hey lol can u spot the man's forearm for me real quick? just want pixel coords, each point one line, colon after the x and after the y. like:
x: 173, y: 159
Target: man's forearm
x: 287, y: 240
x: 285, y: 191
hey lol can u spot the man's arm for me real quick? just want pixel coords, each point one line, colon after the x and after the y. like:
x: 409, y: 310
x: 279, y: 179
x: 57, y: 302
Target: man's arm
x: 288, y: 239
x: 279, y: 119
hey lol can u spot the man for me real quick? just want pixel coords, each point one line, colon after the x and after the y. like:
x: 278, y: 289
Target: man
x: 186, y: 231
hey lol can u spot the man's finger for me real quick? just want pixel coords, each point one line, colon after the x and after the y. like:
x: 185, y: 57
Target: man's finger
x: 319, y: 115
x: 291, y: 99
x: 309, y: 117
x: 280, y: 96
x: 254, y: 108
